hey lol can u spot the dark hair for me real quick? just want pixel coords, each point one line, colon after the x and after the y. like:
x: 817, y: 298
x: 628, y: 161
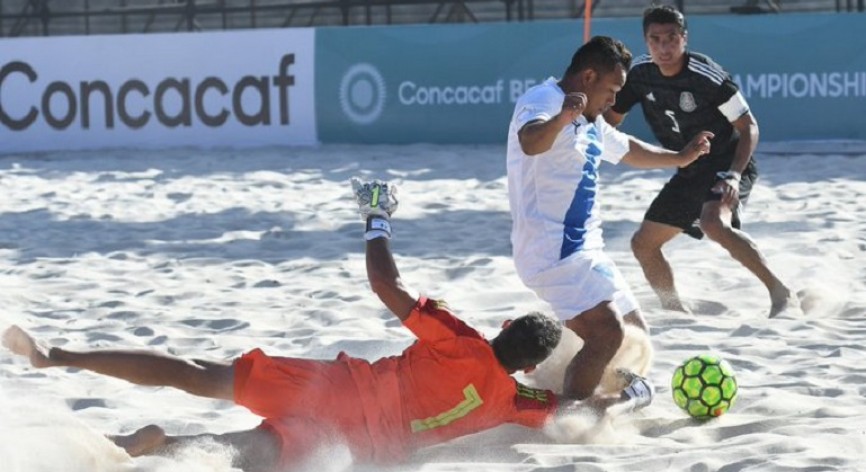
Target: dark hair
x: 527, y: 341
x: 602, y: 54
x: 663, y: 15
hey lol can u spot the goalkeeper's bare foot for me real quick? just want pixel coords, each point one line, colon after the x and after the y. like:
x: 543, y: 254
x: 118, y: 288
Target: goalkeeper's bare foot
x: 145, y: 441
x: 19, y: 342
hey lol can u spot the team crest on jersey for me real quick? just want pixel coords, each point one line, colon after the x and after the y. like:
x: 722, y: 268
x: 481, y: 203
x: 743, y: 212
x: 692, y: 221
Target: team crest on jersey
x: 687, y: 102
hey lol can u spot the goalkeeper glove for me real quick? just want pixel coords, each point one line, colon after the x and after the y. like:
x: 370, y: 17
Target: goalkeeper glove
x: 376, y: 202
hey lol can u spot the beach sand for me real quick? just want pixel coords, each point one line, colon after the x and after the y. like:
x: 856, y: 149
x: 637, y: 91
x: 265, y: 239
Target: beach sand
x: 211, y: 253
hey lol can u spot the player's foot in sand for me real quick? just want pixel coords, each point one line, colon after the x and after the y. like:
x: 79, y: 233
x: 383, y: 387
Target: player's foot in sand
x: 677, y: 307
x: 785, y: 303
x: 638, y: 389
x: 672, y: 302
x: 144, y: 441
x: 18, y: 341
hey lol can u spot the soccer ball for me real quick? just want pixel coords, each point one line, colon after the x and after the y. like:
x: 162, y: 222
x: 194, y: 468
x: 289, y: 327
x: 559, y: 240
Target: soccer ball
x: 704, y: 386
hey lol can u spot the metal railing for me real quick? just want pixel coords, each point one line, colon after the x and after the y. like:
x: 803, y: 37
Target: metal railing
x: 188, y: 13
x: 46, y: 17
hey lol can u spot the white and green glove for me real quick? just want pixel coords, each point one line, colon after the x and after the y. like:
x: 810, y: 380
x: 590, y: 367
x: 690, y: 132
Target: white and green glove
x: 376, y: 202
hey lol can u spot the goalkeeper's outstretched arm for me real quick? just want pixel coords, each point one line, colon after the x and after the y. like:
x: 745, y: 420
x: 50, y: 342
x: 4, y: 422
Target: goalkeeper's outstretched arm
x: 376, y: 202
x: 385, y: 278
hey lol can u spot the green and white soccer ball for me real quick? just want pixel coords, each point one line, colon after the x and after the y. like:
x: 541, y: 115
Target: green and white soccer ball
x: 704, y: 386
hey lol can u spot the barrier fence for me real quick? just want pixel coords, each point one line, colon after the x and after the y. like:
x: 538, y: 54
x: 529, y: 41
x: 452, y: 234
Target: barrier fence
x: 47, y: 18
x: 190, y: 15
x: 441, y: 84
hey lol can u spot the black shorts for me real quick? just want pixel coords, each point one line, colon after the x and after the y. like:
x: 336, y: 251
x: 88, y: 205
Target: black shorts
x: 681, y: 200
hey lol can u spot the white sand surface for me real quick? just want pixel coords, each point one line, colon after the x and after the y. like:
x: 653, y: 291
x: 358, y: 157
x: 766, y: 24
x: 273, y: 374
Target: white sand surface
x: 212, y: 253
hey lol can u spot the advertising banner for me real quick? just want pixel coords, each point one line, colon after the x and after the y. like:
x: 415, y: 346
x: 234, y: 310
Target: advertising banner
x: 443, y: 83
x: 804, y: 75
x: 241, y: 88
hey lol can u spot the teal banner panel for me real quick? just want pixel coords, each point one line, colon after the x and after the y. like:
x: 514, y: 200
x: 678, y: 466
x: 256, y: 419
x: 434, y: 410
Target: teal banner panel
x: 437, y: 83
x: 804, y: 75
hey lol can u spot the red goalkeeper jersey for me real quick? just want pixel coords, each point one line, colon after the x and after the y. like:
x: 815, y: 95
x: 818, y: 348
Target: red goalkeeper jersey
x: 447, y: 384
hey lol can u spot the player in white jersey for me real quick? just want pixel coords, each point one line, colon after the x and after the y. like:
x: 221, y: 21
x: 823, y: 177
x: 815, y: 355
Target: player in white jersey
x: 556, y: 141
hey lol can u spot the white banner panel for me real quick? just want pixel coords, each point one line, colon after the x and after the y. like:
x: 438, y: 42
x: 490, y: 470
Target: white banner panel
x: 236, y: 89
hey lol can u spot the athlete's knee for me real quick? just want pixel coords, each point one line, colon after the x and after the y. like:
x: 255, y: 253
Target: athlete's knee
x: 635, y: 318
x: 602, y: 331
x: 642, y: 246
x: 713, y: 227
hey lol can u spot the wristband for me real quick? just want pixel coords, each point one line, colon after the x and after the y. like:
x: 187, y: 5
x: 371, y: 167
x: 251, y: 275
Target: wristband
x: 728, y: 175
x: 377, y: 227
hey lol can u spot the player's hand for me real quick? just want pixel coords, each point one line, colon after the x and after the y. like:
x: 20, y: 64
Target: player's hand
x: 729, y: 190
x: 375, y: 197
x: 697, y: 147
x: 573, y: 106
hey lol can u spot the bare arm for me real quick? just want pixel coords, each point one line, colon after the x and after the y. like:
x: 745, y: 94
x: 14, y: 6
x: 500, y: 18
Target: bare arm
x: 647, y: 156
x: 538, y: 136
x: 385, y: 278
x: 376, y: 202
x: 596, y: 405
x: 748, y: 130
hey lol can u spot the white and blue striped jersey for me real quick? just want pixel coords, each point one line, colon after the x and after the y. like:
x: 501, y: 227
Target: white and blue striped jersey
x: 554, y: 195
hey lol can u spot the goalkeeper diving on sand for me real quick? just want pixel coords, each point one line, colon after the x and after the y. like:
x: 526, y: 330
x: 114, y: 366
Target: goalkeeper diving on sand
x: 451, y: 382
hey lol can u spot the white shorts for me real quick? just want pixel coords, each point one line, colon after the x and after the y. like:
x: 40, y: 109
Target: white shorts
x: 580, y: 282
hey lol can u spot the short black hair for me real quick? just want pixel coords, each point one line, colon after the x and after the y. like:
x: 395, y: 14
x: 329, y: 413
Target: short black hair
x: 602, y: 54
x: 664, y: 15
x: 527, y: 341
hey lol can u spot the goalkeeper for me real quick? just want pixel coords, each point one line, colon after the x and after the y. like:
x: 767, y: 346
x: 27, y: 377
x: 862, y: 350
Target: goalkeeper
x: 451, y: 382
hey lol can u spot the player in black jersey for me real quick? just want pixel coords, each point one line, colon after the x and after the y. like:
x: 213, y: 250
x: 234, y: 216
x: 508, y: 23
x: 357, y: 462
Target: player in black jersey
x: 683, y: 93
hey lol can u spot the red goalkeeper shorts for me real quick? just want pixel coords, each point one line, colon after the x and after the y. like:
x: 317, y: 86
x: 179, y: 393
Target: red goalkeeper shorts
x: 306, y: 403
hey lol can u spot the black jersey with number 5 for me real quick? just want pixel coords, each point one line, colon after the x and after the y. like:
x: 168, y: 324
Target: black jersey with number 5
x: 678, y: 107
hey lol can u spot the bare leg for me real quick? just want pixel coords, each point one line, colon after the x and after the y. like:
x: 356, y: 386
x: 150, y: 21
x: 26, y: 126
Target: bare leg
x: 602, y: 332
x: 716, y: 224
x: 198, y: 377
x: 646, y: 244
x: 256, y: 450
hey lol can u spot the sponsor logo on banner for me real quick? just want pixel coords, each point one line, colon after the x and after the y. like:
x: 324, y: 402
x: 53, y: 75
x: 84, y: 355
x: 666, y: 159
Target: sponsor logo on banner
x: 362, y: 94
x: 158, y: 90
x: 171, y: 101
